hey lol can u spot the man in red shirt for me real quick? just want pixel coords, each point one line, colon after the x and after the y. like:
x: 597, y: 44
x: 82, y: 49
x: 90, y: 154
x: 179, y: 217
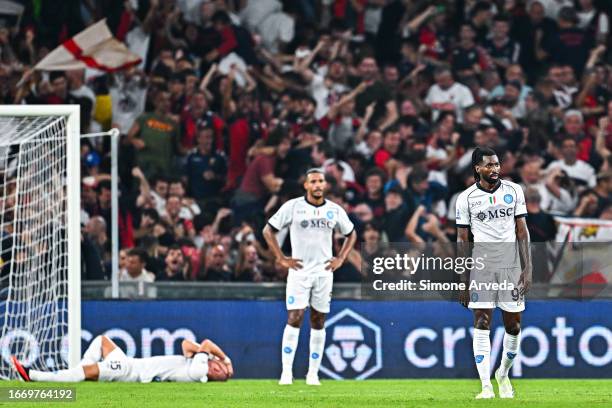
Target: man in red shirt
x: 390, y: 148
x: 259, y: 180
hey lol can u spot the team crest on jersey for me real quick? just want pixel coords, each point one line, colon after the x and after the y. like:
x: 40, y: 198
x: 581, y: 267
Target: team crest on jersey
x: 330, y: 215
x: 508, y: 198
x: 481, y: 216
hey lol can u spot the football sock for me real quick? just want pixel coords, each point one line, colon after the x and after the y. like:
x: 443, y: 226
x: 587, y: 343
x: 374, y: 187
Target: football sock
x: 290, y: 342
x: 74, y: 374
x: 93, y: 354
x: 512, y: 345
x: 317, y: 343
x: 482, y: 355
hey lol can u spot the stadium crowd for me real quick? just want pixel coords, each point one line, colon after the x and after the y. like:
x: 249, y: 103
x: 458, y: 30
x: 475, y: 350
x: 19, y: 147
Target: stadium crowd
x: 234, y: 100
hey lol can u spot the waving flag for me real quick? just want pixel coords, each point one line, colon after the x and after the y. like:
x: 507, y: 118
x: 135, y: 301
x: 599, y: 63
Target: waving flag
x: 95, y: 47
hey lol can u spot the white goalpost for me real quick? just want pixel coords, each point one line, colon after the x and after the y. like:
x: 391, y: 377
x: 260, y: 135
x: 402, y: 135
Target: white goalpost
x: 40, y: 246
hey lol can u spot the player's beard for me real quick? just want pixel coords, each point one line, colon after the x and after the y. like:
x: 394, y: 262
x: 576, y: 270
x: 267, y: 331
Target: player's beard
x: 317, y: 194
x: 490, y: 180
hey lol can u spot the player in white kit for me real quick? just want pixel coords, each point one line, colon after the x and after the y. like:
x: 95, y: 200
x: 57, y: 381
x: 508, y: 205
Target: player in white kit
x: 494, y: 210
x: 105, y: 361
x: 311, y: 221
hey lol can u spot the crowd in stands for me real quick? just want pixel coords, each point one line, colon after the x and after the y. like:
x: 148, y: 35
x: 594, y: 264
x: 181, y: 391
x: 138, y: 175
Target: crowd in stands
x: 235, y: 100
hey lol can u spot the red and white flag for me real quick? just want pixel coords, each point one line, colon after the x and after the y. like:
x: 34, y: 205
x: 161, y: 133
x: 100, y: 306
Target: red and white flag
x: 95, y: 47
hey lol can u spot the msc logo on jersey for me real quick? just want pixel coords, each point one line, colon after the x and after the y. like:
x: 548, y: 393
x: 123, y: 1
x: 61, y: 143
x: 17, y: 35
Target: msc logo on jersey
x: 494, y: 214
x: 321, y: 223
x: 508, y: 198
x: 353, y: 348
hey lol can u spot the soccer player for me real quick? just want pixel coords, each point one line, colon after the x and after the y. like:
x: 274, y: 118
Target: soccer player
x: 494, y: 210
x: 105, y: 361
x: 311, y: 220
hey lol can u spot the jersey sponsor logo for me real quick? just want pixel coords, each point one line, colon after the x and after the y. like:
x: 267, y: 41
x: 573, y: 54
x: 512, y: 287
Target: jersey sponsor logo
x: 494, y: 214
x: 479, y: 358
x: 500, y: 212
x: 330, y: 215
x: 287, y: 350
x: 353, y: 347
x: 508, y: 198
x: 321, y: 223
x: 290, y: 300
x: 475, y: 204
x: 314, y: 356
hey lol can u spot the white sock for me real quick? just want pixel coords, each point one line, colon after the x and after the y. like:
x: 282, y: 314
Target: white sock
x: 93, y: 354
x: 512, y: 345
x: 290, y: 342
x: 482, y: 355
x: 74, y: 374
x: 317, y: 344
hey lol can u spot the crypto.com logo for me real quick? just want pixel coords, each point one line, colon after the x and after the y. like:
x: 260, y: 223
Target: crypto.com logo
x: 354, y: 347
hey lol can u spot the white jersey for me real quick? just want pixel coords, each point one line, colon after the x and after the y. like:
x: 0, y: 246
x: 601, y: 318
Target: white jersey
x: 116, y: 366
x: 492, y: 215
x: 311, y: 230
x: 171, y: 368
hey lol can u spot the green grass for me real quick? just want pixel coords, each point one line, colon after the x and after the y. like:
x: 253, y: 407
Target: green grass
x: 345, y: 394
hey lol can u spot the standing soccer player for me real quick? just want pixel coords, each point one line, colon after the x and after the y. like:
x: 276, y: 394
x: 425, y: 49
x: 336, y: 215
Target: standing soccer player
x: 311, y: 220
x: 495, y: 212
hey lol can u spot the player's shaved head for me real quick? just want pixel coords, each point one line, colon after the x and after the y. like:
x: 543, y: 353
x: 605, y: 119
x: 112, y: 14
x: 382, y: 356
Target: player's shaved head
x: 315, y: 171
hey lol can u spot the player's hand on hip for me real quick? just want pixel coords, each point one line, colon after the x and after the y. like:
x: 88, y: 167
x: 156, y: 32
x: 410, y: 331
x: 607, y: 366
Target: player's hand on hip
x: 290, y: 263
x: 334, y: 264
x: 464, y: 297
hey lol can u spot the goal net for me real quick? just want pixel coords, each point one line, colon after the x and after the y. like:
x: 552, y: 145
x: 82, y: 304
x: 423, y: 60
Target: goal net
x: 40, y: 242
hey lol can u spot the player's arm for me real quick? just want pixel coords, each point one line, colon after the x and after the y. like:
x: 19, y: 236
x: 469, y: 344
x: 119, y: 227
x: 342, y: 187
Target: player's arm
x: 208, y: 346
x: 522, y: 238
x: 189, y: 348
x: 347, y: 246
x: 463, y: 222
x: 463, y: 251
x: 286, y: 262
x: 346, y: 228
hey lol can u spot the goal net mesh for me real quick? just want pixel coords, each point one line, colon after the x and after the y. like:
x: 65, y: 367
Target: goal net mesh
x: 34, y: 246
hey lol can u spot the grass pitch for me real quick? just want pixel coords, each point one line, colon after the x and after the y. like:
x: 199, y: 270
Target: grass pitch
x: 346, y: 394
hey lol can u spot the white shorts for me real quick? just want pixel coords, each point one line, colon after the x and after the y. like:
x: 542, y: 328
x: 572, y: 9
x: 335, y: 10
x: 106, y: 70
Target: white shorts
x: 313, y: 290
x: 116, y: 366
x: 508, y: 300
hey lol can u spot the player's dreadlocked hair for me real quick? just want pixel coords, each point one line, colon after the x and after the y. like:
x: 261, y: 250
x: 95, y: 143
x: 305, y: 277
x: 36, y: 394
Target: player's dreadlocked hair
x: 477, y: 155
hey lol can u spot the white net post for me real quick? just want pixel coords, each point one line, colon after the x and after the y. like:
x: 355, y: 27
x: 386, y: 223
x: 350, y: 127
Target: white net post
x: 40, y: 265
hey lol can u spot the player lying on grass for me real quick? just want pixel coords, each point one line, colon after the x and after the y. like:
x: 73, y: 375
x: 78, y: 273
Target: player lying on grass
x: 105, y: 361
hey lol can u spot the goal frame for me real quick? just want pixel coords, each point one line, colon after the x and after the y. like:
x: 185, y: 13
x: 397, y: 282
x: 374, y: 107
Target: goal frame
x: 73, y: 206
